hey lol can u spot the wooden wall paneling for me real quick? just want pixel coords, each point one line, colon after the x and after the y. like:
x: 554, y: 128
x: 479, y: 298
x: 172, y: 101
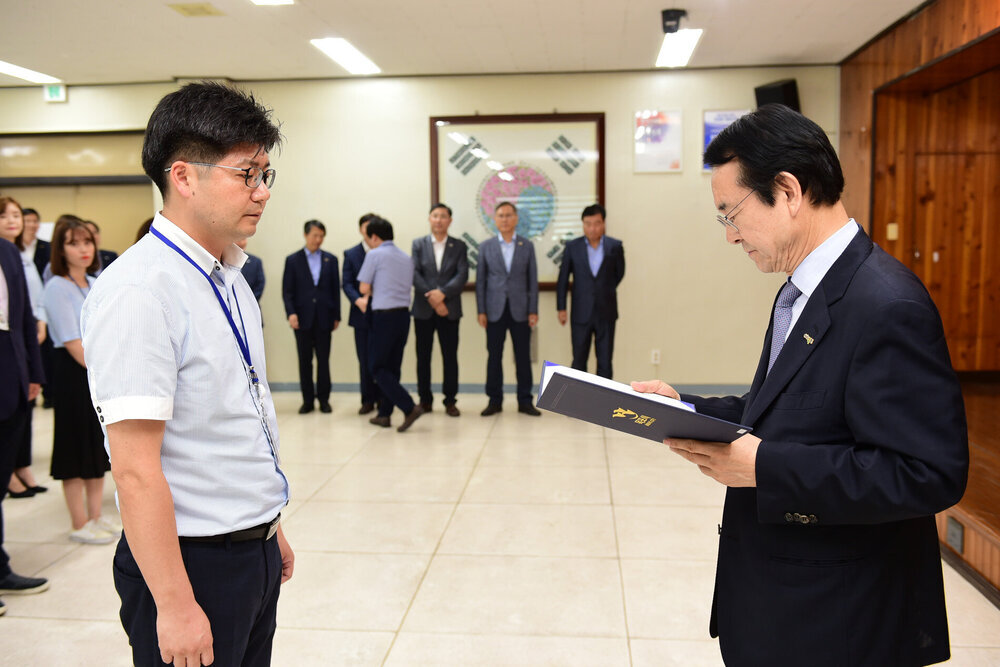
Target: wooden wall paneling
x: 988, y: 200
x: 937, y: 29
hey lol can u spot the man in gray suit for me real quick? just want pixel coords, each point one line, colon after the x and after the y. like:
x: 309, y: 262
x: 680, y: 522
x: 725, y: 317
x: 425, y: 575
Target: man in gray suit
x: 440, y: 271
x: 507, y: 299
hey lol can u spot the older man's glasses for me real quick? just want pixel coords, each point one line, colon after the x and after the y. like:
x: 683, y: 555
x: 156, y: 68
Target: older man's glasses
x: 726, y: 219
x: 252, y: 176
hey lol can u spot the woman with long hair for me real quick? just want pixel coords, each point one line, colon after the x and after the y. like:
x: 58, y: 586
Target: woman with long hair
x: 22, y: 484
x: 78, y: 455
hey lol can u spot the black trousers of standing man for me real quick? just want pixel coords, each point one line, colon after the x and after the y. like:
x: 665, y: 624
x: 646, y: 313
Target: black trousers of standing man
x: 520, y: 338
x: 447, y: 331
x: 235, y: 583
x: 308, y: 342
x: 390, y: 329
x: 603, y: 334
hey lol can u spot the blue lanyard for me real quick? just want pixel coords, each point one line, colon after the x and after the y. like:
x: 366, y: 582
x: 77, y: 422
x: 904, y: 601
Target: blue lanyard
x: 244, y: 347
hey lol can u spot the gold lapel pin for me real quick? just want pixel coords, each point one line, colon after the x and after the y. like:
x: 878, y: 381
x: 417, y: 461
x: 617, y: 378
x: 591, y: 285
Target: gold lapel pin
x: 809, y: 339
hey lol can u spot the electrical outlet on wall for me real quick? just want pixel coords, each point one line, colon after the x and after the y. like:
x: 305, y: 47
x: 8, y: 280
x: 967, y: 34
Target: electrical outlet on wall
x: 654, y: 356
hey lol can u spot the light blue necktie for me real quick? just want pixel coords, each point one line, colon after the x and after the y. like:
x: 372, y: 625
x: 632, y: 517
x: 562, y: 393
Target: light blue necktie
x: 782, y: 319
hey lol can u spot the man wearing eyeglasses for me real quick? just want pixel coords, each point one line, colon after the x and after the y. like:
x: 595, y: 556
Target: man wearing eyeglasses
x: 828, y: 550
x: 175, y: 358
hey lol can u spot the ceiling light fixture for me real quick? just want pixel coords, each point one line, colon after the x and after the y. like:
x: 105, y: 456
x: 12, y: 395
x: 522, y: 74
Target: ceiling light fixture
x: 27, y: 74
x: 346, y: 55
x: 678, y: 45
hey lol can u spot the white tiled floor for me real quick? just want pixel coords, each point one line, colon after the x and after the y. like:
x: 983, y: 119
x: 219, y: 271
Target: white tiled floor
x: 507, y: 540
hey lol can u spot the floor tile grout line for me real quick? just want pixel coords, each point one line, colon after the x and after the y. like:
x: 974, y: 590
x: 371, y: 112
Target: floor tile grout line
x: 437, y: 546
x: 618, y: 552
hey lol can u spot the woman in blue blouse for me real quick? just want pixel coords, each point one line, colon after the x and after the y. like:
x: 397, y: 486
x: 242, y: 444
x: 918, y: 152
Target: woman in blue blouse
x: 78, y: 455
x: 22, y: 483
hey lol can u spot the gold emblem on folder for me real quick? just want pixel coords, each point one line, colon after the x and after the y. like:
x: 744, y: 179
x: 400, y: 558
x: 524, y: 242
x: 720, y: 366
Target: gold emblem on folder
x: 809, y: 339
x: 642, y: 420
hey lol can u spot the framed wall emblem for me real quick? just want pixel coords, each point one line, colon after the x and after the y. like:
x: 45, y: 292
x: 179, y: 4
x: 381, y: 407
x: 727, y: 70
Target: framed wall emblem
x: 549, y: 165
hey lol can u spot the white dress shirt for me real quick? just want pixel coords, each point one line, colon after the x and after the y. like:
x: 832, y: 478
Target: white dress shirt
x: 810, y: 271
x: 158, y: 346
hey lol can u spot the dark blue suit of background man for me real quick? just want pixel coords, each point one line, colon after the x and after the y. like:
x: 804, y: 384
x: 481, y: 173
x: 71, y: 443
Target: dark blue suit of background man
x: 20, y: 381
x: 311, y: 291
x: 828, y: 549
x: 597, y: 264
x: 360, y: 321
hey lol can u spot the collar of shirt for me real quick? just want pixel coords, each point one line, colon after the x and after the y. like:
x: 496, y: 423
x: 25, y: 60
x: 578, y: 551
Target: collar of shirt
x: 811, y: 270
x: 232, y: 257
x: 310, y: 254
x: 439, y: 244
x: 504, y: 243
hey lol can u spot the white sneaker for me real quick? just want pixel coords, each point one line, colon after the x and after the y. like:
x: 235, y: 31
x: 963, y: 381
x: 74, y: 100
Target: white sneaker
x: 109, y: 524
x: 91, y: 533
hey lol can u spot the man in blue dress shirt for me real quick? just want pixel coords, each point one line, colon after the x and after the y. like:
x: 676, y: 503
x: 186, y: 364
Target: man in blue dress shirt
x: 597, y: 263
x: 175, y: 359
x: 311, y: 291
x: 386, y: 278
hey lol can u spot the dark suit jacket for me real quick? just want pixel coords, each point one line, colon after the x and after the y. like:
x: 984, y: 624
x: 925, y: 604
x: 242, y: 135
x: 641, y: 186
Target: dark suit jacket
x: 593, y: 296
x: 353, y: 259
x: 20, y: 360
x: 318, y: 303
x: 107, y: 256
x: 495, y: 287
x: 833, y: 558
x: 43, y: 253
x: 450, y: 279
x: 253, y: 271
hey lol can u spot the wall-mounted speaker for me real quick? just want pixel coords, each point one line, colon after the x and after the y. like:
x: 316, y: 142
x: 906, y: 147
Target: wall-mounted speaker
x: 780, y: 92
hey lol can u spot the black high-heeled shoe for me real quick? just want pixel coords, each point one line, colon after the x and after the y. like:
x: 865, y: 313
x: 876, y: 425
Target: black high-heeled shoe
x: 36, y: 488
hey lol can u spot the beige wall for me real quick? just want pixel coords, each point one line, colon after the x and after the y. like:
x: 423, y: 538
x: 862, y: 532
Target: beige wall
x: 358, y: 145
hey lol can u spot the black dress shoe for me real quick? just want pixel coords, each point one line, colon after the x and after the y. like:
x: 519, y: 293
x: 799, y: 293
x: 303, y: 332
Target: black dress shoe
x: 306, y: 408
x: 366, y: 408
x: 380, y: 421
x: 36, y: 488
x: 27, y: 493
x: 324, y: 407
x: 451, y: 410
x: 15, y: 584
x: 491, y: 410
x: 410, y: 418
x: 426, y: 407
x: 528, y: 409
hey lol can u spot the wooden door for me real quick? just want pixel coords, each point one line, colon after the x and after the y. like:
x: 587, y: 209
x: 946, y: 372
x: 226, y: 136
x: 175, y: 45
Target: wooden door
x: 956, y: 250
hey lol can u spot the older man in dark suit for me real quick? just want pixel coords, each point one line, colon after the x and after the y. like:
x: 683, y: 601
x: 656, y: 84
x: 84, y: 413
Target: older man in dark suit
x: 828, y: 550
x: 597, y: 264
x: 20, y: 381
x: 310, y: 289
x: 507, y: 300
x: 360, y: 321
x: 440, y: 271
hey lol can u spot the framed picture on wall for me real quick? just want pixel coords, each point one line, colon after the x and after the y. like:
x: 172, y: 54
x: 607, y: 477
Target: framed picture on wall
x: 550, y: 166
x: 717, y: 121
x: 658, y: 142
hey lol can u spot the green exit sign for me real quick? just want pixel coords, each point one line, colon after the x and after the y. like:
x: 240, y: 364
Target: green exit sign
x: 55, y: 92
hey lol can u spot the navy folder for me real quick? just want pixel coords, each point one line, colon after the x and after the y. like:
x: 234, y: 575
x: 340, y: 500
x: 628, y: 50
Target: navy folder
x: 617, y: 406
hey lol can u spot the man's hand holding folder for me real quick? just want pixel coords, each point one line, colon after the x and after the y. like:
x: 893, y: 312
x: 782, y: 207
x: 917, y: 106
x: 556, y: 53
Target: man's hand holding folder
x: 732, y: 464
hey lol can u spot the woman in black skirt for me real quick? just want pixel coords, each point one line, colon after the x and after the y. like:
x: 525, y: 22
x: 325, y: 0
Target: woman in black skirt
x: 78, y: 455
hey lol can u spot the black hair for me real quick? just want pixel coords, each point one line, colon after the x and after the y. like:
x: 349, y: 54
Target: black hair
x: 29, y: 211
x: 773, y: 139
x: 594, y: 209
x: 365, y: 218
x: 440, y: 205
x: 379, y: 227
x: 202, y: 122
x: 96, y: 226
x: 313, y: 223
x: 502, y: 204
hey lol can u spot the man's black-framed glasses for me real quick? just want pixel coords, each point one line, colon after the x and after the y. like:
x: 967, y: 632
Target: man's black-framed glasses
x: 726, y: 219
x: 252, y: 176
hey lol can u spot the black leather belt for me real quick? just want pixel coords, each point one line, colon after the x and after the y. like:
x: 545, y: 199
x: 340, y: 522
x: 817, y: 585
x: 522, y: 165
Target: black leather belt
x: 264, y: 531
x: 391, y: 310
